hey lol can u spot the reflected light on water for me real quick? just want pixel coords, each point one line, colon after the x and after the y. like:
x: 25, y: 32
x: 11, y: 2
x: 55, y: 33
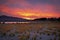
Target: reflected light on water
x: 12, y: 22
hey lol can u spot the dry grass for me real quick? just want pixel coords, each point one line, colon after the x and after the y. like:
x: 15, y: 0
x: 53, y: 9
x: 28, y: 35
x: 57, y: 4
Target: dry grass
x: 29, y: 26
x: 51, y: 28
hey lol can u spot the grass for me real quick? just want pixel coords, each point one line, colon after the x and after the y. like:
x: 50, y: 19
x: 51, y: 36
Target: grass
x: 25, y: 28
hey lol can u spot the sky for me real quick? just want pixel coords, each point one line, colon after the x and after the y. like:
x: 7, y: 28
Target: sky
x: 30, y: 9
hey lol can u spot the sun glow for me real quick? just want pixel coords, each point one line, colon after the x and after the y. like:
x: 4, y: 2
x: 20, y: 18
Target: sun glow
x: 25, y: 14
x: 28, y: 18
x: 32, y: 16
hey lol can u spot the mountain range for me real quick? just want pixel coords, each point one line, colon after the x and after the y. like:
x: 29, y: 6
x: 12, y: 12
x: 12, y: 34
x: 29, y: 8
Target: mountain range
x: 5, y: 18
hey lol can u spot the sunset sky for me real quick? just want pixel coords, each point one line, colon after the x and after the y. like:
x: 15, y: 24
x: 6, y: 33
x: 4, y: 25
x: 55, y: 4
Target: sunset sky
x: 30, y: 9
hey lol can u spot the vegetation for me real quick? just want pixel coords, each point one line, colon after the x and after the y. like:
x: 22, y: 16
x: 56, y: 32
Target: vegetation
x: 33, y: 31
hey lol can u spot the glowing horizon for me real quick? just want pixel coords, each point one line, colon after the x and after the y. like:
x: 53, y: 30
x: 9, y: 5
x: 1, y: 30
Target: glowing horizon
x: 30, y: 9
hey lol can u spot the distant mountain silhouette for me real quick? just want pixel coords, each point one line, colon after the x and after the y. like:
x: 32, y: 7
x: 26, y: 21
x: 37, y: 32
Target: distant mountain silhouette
x: 39, y: 19
x: 58, y: 19
x: 47, y: 19
x: 4, y: 18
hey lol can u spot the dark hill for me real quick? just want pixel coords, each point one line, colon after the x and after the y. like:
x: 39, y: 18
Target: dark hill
x: 48, y: 19
x: 4, y: 18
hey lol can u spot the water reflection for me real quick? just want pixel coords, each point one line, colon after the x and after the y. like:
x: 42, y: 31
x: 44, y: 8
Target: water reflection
x: 12, y: 22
